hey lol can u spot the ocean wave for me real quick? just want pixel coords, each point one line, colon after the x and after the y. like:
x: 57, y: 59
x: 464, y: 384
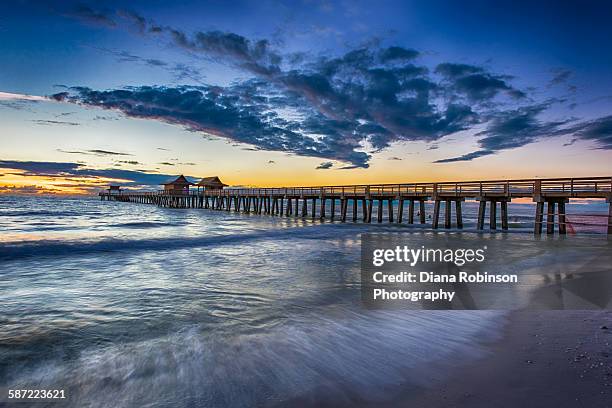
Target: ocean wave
x: 370, y: 356
x: 146, y: 224
x: 45, y: 213
x: 47, y: 248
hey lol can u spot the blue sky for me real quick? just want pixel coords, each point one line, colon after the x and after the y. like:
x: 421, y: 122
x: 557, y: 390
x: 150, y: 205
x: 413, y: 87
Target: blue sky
x: 438, y: 89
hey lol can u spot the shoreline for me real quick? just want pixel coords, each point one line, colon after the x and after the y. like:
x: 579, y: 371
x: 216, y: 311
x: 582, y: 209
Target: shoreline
x: 543, y: 359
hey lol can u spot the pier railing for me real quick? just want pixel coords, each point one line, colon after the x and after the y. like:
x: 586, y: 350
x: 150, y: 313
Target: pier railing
x: 584, y: 187
x: 573, y: 187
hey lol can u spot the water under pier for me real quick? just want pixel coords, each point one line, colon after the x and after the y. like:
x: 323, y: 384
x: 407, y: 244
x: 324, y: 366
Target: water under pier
x: 333, y: 202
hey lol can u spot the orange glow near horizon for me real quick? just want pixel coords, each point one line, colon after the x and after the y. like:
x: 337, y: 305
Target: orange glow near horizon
x: 18, y: 182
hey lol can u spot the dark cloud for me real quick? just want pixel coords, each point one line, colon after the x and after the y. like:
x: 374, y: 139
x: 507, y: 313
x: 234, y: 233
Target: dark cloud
x: 131, y: 162
x: 109, y: 118
x: 41, y: 168
x: 167, y: 164
x: 571, y: 142
x: 598, y: 131
x: 451, y: 70
x: 71, y: 151
x: 94, y: 152
x: 466, y: 157
x: 255, y: 56
x: 512, y: 129
x: 476, y: 83
x: 88, y: 15
x: 394, y: 158
x: 28, y: 189
x: 560, y: 75
x: 232, y: 113
x: 325, y: 166
x: 54, y: 122
x: 398, y: 54
x: 137, y: 20
x: 343, y: 103
x: 70, y: 169
x: 107, y: 153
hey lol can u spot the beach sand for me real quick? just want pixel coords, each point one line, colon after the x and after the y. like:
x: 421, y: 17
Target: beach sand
x: 545, y: 359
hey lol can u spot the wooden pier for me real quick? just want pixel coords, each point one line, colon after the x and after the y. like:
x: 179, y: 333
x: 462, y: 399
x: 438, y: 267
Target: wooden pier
x: 550, y: 195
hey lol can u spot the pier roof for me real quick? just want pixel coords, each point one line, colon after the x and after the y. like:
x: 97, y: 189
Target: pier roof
x: 213, y: 181
x: 179, y: 180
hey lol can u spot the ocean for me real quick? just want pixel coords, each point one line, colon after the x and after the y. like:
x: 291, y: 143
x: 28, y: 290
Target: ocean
x: 125, y: 305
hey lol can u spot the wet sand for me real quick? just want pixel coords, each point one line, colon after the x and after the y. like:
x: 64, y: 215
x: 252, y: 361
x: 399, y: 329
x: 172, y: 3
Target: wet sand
x: 545, y: 359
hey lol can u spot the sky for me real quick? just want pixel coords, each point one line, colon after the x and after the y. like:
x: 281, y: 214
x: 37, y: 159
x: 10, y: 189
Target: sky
x: 287, y: 93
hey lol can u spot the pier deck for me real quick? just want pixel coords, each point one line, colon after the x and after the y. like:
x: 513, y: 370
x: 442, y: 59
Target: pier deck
x: 313, y: 201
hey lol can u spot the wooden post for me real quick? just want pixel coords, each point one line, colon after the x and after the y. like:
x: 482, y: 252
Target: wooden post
x: 364, y: 210
x: 390, y: 208
x: 422, y: 211
x: 562, y: 226
x: 493, y: 215
x: 354, y: 210
x: 380, y: 209
x: 304, y: 207
x: 458, y: 214
x: 610, y: 216
x: 323, y: 199
x: 400, y: 210
x: 282, y: 206
x: 370, y: 205
x: 289, y: 207
x: 481, y: 214
x: 447, y: 214
x: 550, y: 218
x: 343, y: 205
x: 537, y: 227
x: 504, y: 215
x: 333, y: 209
x: 411, y: 211
x: 436, y: 214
